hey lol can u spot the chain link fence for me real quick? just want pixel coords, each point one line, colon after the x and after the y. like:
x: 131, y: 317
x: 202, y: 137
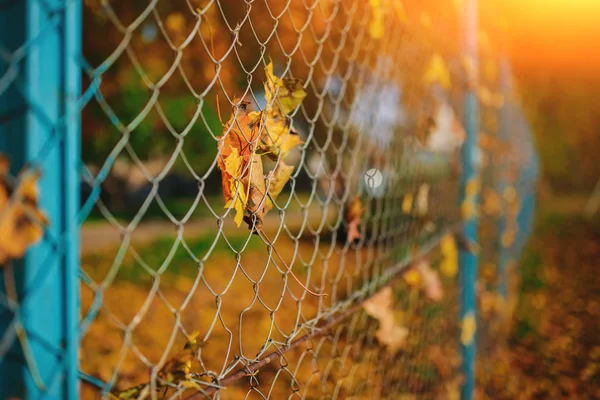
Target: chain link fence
x: 246, y: 199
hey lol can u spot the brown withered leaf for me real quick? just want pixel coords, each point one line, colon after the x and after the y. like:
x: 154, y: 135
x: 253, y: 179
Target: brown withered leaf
x: 283, y: 96
x: 237, y: 147
x: 21, y: 221
x: 279, y: 177
x: 257, y: 191
x: 432, y: 284
x: 245, y: 186
x: 381, y: 307
x: 354, y: 213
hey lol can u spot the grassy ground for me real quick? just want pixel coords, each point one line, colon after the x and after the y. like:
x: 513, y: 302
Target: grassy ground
x: 550, y: 351
x: 553, y: 349
x: 226, y: 287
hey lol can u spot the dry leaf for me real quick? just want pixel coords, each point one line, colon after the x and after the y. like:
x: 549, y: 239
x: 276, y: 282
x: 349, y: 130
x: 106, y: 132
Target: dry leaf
x: 353, y: 215
x: 236, y: 192
x: 468, y: 328
x: 243, y: 180
x: 449, y: 264
x: 376, y: 27
x: 492, y: 202
x: 254, y: 181
x: 422, y: 199
x: 390, y: 333
x: 283, y: 96
x: 437, y: 72
x: 413, y: 278
x: 407, y: 203
x: 431, y: 281
x: 21, y: 221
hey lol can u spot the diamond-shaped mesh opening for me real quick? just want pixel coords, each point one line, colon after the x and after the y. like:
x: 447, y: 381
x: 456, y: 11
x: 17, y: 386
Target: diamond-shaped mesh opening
x: 328, y: 283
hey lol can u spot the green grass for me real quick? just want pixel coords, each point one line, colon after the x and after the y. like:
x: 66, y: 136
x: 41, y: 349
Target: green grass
x: 179, y: 207
x: 180, y: 255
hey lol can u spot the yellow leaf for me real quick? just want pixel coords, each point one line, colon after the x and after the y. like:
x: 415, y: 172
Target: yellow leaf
x: 422, y: 199
x: 431, y: 281
x: 407, y: 203
x: 353, y: 215
x: 381, y: 307
x: 492, y: 202
x: 281, y: 175
x: 400, y: 11
x: 449, y: 264
x: 468, y: 328
x: 413, y: 278
x: 437, y: 72
x: 472, y: 187
x: 468, y: 209
x: 256, y: 189
x: 21, y: 221
x: 175, y: 22
x: 285, y: 95
x: 238, y: 199
x: 376, y: 28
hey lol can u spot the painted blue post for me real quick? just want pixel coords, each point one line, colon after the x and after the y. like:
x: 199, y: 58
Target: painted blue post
x: 504, y: 252
x: 39, y: 113
x: 470, y: 184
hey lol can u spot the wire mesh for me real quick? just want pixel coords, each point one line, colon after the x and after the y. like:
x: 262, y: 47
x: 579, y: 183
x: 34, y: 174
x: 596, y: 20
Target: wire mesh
x: 310, y: 269
x: 170, y: 76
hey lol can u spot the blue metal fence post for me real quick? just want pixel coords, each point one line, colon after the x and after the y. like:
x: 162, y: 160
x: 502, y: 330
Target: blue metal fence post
x: 470, y: 184
x: 39, y: 90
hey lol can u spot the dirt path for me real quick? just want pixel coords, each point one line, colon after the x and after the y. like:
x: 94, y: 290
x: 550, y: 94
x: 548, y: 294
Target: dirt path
x: 101, y: 235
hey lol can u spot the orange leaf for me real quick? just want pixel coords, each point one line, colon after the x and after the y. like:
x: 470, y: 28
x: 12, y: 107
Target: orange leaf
x: 381, y: 307
x: 353, y: 215
x: 21, y: 221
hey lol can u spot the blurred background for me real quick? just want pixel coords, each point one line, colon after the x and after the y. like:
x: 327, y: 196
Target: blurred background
x: 177, y: 295
x: 554, y: 347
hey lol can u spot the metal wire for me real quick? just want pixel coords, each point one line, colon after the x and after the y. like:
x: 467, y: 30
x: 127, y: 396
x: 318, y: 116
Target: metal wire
x: 162, y: 260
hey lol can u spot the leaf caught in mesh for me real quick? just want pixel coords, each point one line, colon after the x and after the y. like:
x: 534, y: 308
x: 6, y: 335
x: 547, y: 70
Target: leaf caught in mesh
x: 449, y: 263
x: 353, y: 215
x: 245, y: 186
x: 176, y: 371
x: 21, y: 221
x: 283, y: 96
x: 437, y: 72
x: 237, y: 194
x: 381, y: 307
x: 376, y: 28
x: 236, y: 151
x: 468, y: 329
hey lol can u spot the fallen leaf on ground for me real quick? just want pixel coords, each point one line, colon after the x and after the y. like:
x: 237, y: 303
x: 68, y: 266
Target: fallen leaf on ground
x: 431, y: 281
x: 381, y: 307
